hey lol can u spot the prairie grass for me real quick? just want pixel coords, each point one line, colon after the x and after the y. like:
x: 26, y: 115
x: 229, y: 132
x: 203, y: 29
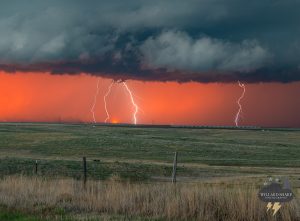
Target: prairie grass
x: 164, y: 201
x: 221, y: 147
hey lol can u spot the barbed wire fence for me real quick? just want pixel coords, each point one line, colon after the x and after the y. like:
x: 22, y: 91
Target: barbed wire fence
x: 172, y: 169
x: 85, y: 168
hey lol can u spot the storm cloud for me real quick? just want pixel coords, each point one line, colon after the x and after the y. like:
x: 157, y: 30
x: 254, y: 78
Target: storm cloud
x: 205, y: 41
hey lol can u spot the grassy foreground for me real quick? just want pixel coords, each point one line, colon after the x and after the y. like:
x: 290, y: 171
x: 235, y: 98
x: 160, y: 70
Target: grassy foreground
x: 219, y: 172
x: 66, y: 199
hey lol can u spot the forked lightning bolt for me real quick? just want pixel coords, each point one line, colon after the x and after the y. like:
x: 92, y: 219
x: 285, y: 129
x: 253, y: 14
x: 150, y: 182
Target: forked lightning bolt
x: 95, y: 101
x: 136, y: 108
x: 105, y: 103
x: 237, y: 116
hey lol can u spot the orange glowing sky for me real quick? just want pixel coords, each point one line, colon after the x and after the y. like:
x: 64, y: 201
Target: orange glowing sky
x: 64, y: 98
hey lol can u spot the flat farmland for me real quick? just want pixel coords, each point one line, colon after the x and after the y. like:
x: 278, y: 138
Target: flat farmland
x: 219, y: 173
x: 147, y: 152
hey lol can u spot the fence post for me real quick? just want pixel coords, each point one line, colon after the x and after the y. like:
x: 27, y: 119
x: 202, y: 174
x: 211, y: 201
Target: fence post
x: 36, y: 167
x: 174, y: 168
x: 84, y: 171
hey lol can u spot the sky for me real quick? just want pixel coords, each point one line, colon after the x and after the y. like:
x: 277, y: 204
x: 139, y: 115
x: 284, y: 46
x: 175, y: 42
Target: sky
x: 182, y: 60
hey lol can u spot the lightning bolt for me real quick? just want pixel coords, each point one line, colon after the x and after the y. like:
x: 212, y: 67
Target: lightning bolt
x: 136, y: 108
x: 95, y: 102
x: 237, y: 116
x: 105, y: 103
x: 276, y: 207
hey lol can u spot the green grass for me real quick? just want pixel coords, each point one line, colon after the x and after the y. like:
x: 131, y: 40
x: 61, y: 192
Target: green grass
x: 209, y: 146
x: 135, y: 153
x: 16, y: 216
x: 96, y: 169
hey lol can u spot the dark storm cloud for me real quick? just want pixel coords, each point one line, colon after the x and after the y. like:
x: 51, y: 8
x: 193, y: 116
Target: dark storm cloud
x: 204, y: 40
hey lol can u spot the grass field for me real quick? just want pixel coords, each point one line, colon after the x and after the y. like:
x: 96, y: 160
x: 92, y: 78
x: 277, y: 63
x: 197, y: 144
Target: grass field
x: 64, y: 199
x: 220, y: 158
x: 207, y: 146
x: 140, y: 153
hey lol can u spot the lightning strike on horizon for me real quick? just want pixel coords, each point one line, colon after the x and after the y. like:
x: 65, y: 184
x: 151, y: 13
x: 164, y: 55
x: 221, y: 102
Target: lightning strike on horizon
x: 95, y: 102
x: 105, y: 103
x: 133, y: 102
x: 237, y: 116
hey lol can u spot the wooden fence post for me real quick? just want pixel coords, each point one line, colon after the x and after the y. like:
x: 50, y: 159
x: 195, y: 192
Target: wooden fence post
x: 84, y: 171
x: 36, y: 167
x: 174, y: 168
